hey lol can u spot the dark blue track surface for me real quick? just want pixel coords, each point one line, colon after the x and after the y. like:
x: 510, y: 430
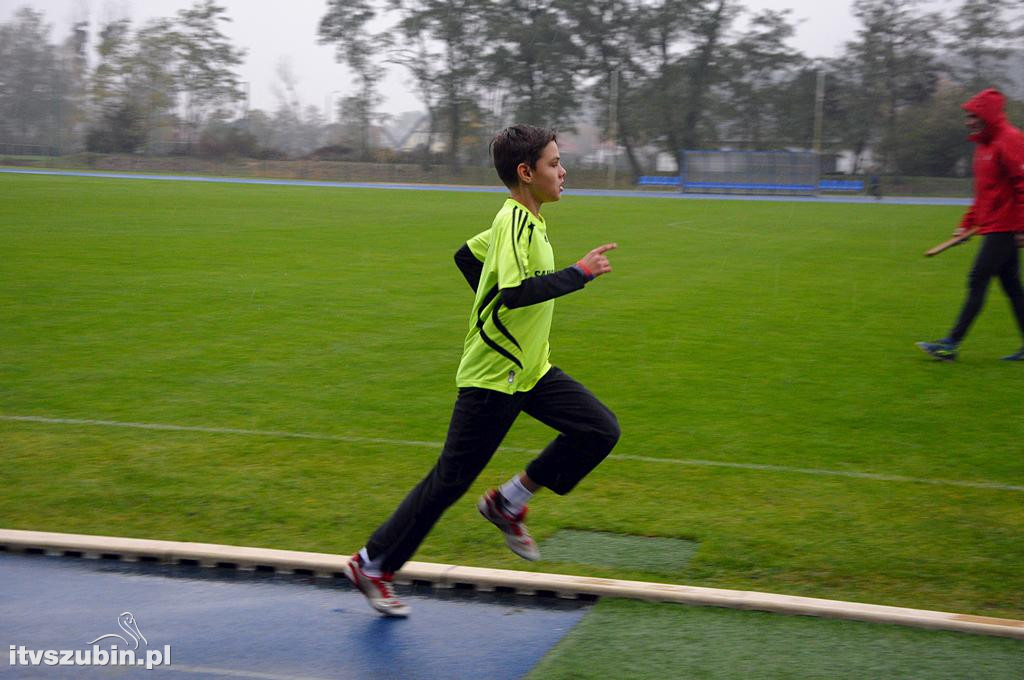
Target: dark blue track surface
x: 219, y: 623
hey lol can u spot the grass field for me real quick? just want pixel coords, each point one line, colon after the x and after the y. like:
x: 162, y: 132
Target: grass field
x: 628, y: 639
x: 744, y: 334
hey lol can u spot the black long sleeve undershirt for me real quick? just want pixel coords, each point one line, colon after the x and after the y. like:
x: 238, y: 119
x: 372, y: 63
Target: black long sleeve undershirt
x: 544, y: 287
x: 470, y: 267
x: 529, y: 291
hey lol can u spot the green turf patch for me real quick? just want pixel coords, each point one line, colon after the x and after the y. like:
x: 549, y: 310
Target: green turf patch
x: 604, y: 549
x: 625, y: 639
x: 773, y: 334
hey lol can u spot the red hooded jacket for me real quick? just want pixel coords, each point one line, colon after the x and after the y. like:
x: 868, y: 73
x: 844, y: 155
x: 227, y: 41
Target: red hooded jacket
x: 998, y: 168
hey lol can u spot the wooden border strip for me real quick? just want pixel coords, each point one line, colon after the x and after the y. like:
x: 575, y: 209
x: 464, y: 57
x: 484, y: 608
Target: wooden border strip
x: 446, y: 576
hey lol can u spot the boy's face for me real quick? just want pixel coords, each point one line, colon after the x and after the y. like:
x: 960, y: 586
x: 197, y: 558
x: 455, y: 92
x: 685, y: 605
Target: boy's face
x: 547, y: 178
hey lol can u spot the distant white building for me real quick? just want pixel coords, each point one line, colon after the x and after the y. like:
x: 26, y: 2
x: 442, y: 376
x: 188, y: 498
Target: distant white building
x: 849, y: 163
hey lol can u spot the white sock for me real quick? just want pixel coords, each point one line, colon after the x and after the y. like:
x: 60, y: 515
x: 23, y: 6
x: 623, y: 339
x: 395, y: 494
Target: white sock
x: 370, y: 567
x: 515, y: 494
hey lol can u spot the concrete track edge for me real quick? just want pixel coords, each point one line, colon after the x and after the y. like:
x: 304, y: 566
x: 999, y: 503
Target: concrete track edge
x: 488, y: 580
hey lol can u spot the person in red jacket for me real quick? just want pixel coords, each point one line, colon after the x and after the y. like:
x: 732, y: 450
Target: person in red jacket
x: 998, y: 214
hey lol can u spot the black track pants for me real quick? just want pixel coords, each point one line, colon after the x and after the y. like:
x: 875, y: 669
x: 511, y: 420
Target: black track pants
x: 997, y: 257
x: 480, y: 420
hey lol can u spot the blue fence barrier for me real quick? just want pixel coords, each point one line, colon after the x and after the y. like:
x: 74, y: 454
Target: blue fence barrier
x: 852, y: 185
x: 841, y: 185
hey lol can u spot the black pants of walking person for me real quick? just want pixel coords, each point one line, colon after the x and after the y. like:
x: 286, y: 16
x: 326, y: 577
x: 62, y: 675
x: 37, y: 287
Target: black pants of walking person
x: 998, y: 257
x: 480, y: 420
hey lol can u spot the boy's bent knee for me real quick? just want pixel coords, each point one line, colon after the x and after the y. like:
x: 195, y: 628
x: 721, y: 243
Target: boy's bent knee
x: 613, y: 432
x: 588, y: 454
x: 606, y: 435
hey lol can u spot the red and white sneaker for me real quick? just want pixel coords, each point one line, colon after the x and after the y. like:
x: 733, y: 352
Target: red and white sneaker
x: 492, y: 506
x: 379, y: 591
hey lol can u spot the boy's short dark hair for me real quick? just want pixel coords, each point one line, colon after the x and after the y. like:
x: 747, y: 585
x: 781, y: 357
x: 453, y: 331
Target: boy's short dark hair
x: 518, y: 144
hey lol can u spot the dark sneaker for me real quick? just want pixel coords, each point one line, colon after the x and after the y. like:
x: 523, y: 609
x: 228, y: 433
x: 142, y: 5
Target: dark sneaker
x: 379, y: 591
x: 943, y: 350
x: 518, y: 539
x: 1016, y: 356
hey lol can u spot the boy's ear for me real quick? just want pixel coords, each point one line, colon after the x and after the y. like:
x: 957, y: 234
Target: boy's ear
x: 525, y: 173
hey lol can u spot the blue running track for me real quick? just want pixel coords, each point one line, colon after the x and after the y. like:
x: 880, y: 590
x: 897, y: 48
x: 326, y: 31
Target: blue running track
x: 221, y: 623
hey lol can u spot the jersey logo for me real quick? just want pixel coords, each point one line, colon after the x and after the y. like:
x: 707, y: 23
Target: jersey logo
x: 511, y: 377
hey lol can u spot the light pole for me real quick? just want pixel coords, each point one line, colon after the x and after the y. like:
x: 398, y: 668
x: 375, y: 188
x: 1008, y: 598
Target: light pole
x: 245, y: 109
x: 328, y: 109
x: 819, y: 107
x: 613, y: 124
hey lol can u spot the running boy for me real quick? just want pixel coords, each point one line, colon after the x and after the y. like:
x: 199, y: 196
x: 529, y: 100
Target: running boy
x: 504, y: 371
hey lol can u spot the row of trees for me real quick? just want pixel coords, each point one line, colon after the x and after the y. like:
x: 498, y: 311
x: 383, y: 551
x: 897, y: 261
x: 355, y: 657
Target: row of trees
x: 665, y: 74
x: 171, y: 74
x: 685, y: 74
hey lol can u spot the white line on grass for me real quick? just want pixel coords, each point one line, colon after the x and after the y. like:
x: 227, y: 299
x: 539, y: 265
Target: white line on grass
x: 829, y: 473
x: 437, y: 445
x: 222, y: 430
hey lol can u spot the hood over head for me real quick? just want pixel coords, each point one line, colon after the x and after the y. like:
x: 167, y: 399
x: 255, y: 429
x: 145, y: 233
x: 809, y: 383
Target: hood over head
x: 987, y: 105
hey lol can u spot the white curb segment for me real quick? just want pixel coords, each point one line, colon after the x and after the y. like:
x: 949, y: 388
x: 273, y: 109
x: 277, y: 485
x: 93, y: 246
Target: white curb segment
x: 447, y: 575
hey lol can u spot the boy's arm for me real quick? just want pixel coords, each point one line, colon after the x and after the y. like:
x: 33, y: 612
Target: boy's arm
x: 549, y: 286
x: 545, y: 287
x: 470, y: 267
x: 967, y: 221
x: 470, y: 257
x: 530, y: 291
x: 1013, y: 162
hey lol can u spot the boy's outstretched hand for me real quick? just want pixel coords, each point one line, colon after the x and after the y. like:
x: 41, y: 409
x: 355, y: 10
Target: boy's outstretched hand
x: 595, y: 263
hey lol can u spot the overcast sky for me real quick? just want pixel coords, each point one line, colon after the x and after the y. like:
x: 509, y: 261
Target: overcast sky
x: 272, y: 32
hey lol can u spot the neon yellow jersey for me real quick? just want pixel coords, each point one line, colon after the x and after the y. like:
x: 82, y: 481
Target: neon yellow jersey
x: 478, y: 244
x: 507, y: 349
